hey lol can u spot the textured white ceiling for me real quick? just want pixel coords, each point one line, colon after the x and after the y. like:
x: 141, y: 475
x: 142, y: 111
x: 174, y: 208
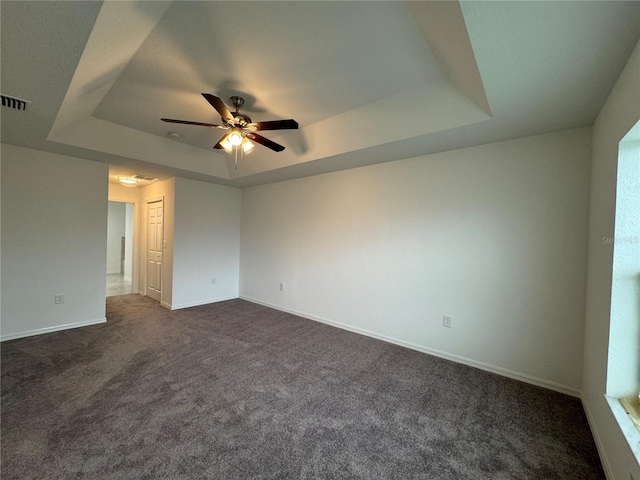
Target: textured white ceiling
x: 367, y: 81
x: 308, y: 60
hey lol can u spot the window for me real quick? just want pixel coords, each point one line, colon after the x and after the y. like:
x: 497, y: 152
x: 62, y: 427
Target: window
x: 623, y: 368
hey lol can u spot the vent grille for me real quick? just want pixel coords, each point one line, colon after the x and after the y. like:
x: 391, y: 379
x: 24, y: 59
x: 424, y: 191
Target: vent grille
x: 13, y: 102
x: 142, y: 177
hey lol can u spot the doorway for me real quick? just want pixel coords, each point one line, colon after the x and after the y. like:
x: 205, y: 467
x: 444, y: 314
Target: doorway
x: 119, y: 248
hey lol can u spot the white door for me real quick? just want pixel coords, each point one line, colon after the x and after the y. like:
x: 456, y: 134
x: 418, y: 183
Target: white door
x: 154, y: 249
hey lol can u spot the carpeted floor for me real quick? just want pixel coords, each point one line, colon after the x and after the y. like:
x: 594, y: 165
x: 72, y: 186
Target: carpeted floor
x: 235, y: 390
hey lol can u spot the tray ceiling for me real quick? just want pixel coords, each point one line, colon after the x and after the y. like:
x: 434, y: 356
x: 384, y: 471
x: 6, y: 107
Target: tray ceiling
x: 367, y: 81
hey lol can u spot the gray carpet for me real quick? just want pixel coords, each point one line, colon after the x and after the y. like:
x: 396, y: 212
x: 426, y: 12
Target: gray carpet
x: 235, y: 390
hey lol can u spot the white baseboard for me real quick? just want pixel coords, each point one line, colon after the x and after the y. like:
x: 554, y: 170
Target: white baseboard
x: 57, y: 328
x: 201, y: 302
x: 127, y: 279
x: 596, y: 438
x: 436, y: 353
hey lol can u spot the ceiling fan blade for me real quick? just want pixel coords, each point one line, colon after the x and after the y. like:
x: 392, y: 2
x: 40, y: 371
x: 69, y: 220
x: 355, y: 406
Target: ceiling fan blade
x: 290, y: 124
x: 264, y: 141
x: 188, y: 122
x: 220, y: 107
x: 218, y: 146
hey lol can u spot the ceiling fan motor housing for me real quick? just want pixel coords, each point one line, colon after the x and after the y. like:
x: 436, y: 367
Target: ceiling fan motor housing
x: 240, y: 119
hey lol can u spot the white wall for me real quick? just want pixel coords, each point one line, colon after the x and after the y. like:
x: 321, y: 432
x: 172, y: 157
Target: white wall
x: 619, y: 114
x: 53, y: 241
x: 493, y: 235
x: 206, y: 243
x: 115, y: 232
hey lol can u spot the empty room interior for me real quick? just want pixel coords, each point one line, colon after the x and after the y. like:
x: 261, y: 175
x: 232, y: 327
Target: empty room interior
x: 320, y: 239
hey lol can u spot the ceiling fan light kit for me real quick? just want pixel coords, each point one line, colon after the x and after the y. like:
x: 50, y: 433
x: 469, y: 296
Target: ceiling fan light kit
x: 241, y: 128
x: 227, y: 145
x: 235, y: 137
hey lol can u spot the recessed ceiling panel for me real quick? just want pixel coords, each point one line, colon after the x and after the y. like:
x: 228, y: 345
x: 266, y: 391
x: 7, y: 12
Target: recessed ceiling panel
x: 304, y: 60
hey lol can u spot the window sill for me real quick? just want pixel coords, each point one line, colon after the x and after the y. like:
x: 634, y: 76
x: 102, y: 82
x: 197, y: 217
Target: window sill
x: 632, y: 407
x: 629, y: 430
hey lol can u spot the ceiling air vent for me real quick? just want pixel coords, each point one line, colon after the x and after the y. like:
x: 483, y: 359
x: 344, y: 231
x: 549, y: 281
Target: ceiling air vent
x: 142, y: 177
x: 13, y: 102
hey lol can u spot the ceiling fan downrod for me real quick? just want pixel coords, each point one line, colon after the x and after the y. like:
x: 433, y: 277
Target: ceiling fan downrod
x: 237, y: 102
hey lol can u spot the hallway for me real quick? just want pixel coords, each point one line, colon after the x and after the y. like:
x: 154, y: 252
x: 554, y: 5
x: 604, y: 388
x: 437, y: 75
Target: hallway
x: 117, y: 285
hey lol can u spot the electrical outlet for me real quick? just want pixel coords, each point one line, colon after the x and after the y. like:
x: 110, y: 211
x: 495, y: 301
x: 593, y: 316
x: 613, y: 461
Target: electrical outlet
x: 59, y: 298
x: 213, y: 281
x: 282, y: 287
x: 446, y: 321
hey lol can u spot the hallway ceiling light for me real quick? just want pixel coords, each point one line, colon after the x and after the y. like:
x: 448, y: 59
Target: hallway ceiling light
x: 128, y: 181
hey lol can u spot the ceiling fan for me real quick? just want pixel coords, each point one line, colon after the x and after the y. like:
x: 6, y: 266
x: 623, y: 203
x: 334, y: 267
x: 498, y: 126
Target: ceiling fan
x: 240, y: 126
